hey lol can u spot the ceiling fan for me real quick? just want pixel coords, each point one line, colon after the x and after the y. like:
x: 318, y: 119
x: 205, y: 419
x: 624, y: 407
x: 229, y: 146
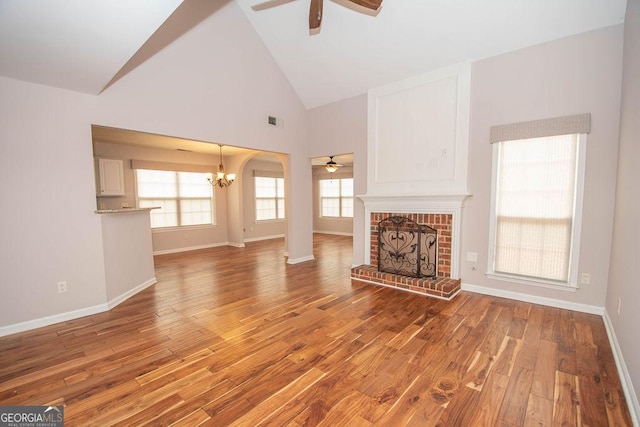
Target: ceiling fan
x: 315, y: 9
x: 331, y: 166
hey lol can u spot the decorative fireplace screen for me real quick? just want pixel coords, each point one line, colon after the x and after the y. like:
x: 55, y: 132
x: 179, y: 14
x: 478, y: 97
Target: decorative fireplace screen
x: 406, y: 247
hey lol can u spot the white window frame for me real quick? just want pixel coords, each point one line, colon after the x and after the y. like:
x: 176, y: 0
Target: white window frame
x: 177, y: 199
x: 276, y: 199
x: 574, y: 257
x: 340, y: 198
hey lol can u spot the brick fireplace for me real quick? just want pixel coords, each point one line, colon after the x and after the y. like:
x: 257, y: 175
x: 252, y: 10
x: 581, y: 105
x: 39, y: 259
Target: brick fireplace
x: 440, y: 213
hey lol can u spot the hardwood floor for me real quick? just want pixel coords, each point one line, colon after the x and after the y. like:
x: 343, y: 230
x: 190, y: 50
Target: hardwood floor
x: 234, y: 336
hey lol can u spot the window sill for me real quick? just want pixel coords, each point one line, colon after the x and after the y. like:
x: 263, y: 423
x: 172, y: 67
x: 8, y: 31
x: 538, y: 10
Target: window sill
x: 532, y: 282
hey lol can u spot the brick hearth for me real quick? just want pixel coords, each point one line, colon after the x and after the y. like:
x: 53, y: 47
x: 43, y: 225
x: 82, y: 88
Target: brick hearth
x: 442, y: 287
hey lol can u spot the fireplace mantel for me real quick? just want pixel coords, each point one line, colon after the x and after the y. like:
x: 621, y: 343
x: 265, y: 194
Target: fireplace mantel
x: 442, y: 203
x: 422, y: 204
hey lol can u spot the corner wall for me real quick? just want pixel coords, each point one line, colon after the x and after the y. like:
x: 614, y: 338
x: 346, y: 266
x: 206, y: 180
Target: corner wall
x: 624, y: 279
x: 340, y: 128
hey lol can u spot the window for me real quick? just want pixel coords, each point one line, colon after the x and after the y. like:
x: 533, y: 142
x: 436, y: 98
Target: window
x: 537, y: 202
x: 184, y: 198
x: 336, y: 198
x: 269, y: 198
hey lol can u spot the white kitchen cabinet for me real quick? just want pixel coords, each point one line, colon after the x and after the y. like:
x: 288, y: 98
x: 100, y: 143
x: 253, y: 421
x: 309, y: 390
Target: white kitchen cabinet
x: 111, y: 173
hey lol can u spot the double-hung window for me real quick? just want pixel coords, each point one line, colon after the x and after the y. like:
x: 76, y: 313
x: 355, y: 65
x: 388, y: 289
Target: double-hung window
x: 184, y: 198
x: 336, y: 198
x: 269, y: 191
x: 538, y: 170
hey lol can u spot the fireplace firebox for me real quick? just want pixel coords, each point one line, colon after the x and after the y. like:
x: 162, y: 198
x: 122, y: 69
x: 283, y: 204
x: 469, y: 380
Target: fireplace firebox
x: 407, y: 248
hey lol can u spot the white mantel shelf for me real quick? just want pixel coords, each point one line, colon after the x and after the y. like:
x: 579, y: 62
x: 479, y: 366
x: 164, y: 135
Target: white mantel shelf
x: 413, y: 203
x: 124, y: 210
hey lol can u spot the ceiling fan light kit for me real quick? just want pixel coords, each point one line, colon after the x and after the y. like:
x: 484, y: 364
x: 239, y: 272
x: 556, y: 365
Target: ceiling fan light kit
x: 331, y: 166
x: 316, y: 9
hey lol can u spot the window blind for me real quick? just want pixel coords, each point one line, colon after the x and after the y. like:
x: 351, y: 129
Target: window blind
x: 535, y: 205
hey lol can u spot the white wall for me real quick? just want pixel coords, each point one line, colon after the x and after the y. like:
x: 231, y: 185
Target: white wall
x: 47, y: 222
x: 578, y: 74
x: 254, y: 230
x: 127, y: 253
x: 340, y: 128
x: 341, y: 226
x: 209, y: 85
x: 624, y: 277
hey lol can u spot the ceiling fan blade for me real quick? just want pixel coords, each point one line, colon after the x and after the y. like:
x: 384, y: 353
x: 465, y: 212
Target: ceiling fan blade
x: 269, y: 4
x: 369, y: 4
x: 315, y: 14
x: 332, y: 162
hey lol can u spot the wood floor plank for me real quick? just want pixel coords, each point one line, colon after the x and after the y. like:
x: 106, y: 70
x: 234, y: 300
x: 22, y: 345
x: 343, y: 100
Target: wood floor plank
x: 491, y: 400
x: 514, y: 407
x: 566, y: 400
x: 544, y: 371
x: 539, y: 411
x: 235, y: 336
x: 266, y: 409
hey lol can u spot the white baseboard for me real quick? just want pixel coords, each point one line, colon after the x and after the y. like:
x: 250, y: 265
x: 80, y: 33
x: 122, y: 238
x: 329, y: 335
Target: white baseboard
x: 236, y: 245
x: 131, y: 292
x: 257, y: 239
x: 551, y: 302
x: 190, y: 248
x: 74, y: 314
x: 623, y: 372
x: 50, y: 320
x: 335, y: 233
x: 299, y: 260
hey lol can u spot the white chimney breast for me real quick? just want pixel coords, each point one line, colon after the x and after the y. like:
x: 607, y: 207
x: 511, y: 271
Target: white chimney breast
x: 418, y: 132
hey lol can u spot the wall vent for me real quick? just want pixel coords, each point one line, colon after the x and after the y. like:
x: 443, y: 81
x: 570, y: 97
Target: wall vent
x: 275, y: 121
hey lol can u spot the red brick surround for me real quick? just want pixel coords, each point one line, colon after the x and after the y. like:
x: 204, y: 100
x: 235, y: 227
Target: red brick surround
x: 441, y: 222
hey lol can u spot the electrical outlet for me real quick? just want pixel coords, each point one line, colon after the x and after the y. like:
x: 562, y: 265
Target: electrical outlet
x: 62, y: 287
x: 585, y: 279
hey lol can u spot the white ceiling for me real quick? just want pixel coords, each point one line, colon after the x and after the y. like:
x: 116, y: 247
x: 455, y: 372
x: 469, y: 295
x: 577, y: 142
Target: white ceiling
x: 355, y: 52
x: 75, y: 44
x: 82, y: 44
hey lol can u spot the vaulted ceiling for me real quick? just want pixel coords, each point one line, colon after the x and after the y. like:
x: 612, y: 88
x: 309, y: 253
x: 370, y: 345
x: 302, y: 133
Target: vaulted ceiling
x: 83, y: 45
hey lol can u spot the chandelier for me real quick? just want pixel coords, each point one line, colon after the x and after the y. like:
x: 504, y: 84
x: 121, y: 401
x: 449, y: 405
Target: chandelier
x: 221, y: 179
